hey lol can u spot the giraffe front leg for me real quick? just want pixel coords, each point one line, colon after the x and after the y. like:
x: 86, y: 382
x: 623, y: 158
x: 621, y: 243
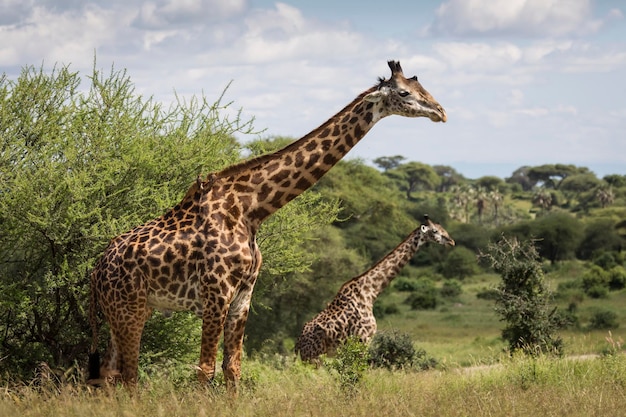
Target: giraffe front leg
x: 212, y: 324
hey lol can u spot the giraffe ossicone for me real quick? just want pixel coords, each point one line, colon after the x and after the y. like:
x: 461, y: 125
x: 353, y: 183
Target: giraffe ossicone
x: 202, y: 254
x: 351, y: 312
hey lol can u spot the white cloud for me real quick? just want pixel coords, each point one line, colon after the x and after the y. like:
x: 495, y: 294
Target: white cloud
x: 479, y: 56
x: 160, y: 14
x: 515, y: 17
x: 516, y: 97
x: 534, y: 112
x: 506, y: 96
x: 68, y: 37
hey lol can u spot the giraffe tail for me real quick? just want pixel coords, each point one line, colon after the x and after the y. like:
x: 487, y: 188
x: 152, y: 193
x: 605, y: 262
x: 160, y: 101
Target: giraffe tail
x: 93, y: 366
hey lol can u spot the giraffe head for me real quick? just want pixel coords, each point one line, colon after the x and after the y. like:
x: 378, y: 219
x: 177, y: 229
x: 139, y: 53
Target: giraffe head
x: 406, y: 96
x: 435, y: 232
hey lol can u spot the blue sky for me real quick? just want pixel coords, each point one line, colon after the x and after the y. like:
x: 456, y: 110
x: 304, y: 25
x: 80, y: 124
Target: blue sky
x: 524, y: 82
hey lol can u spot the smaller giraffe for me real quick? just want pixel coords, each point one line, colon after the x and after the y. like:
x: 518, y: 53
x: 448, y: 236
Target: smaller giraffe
x: 351, y: 313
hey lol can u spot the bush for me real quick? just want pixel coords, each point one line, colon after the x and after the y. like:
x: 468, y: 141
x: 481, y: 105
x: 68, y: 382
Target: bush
x: 392, y: 351
x: 460, y: 264
x: 597, y: 291
x: 395, y: 351
x: 405, y: 284
x: 617, y: 278
x: 488, y: 294
x: 605, y: 260
x: 451, y: 289
x: 595, y: 282
x: 603, y: 320
x: 523, y: 298
x: 424, y: 297
x: 350, y: 363
x: 381, y: 310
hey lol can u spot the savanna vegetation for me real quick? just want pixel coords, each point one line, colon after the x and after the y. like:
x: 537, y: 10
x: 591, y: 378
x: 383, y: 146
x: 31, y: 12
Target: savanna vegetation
x: 537, y: 276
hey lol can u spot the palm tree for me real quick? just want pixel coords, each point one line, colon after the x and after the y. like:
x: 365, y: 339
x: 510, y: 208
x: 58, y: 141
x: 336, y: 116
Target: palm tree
x: 481, y: 198
x: 543, y: 199
x: 495, y: 197
x: 605, y: 196
x: 462, y: 196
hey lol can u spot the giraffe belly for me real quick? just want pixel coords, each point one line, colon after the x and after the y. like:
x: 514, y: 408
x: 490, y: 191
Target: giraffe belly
x: 167, y: 301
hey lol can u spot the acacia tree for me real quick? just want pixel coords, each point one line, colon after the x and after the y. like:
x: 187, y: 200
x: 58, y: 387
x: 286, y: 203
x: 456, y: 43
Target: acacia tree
x: 413, y: 176
x: 389, y: 162
x: 80, y: 167
x: 523, y: 298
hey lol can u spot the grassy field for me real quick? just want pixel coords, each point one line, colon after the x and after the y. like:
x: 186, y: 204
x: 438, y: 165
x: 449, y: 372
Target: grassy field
x: 466, y: 332
x: 474, y: 376
x: 515, y: 387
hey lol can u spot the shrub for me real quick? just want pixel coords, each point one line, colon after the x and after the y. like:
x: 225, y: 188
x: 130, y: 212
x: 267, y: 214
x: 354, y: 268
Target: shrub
x: 604, y: 319
x: 424, y: 297
x: 460, y: 264
x: 605, y: 260
x: 524, y: 299
x: 451, y: 288
x: 595, y: 282
x: 597, y: 291
x: 395, y: 351
x: 488, y: 294
x: 617, y: 278
x: 391, y: 350
x: 405, y: 284
x: 350, y: 363
x: 381, y: 310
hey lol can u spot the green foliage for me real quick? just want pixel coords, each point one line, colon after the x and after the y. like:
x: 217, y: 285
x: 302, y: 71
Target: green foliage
x: 617, y: 278
x: 459, y: 264
x: 394, y: 351
x: 414, y: 176
x: 604, y: 319
x: 424, y: 297
x: 580, y: 183
x: 595, y: 282
x: 80, y: 166
x: 488, y: 294
x: 600, y: 235
x: 448, y: 177
x: 391, y: 351
x: 552, y: 175
x: 388, y: 162
x: 490, y: 183
x: 451, y: 289
x: 349, y: 363
x: 406, y: 284
x: 524, y: 299
x: 471, y: 236
x: 605, y: 260
x: 558, y: 236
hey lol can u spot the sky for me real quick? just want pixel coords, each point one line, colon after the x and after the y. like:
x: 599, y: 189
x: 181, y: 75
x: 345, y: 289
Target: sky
x: 523, y: 82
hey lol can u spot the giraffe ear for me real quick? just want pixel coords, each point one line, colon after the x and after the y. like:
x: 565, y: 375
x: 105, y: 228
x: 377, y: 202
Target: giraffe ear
x: 424, y: 228
x: 378, y: 95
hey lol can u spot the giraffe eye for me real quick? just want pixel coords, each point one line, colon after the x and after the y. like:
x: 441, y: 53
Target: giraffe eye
x: 403, y: 93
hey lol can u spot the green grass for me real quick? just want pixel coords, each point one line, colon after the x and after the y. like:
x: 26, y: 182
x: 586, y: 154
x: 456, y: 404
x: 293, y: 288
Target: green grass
x: 466, y: 331
x: 474, y: 376
x: 520, y: 386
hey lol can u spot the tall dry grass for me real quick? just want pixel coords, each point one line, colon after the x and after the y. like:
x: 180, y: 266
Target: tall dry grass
x: 520, y: 386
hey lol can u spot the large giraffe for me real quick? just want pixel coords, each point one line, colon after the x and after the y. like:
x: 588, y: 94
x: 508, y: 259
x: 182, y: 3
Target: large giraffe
x: 202, y: 254
x: 351, y: 312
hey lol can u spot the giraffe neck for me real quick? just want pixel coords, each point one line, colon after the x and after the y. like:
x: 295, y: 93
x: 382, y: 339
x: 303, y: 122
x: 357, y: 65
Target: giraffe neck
x: 266, y: 183
x: 378, y: 277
